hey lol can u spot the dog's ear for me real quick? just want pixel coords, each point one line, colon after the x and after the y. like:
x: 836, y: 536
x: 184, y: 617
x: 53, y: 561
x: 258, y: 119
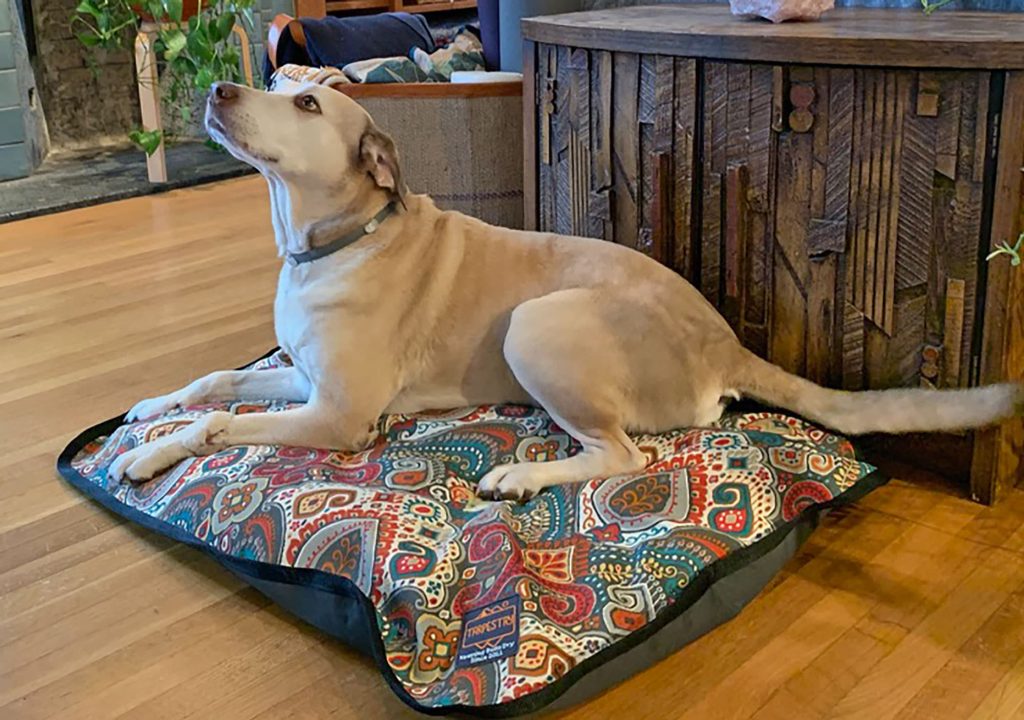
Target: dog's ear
x: 378, y: 156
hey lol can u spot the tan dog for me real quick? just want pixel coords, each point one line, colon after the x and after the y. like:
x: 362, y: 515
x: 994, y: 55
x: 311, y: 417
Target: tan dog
x: 434, y: 309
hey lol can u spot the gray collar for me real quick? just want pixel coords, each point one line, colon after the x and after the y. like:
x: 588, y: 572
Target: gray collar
x: 344, y: 241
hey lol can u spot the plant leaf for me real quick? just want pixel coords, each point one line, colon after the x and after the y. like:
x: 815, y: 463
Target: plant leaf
x: 225, y: 23
x: 88, y: 39
x: 204, y: 79
x: 174, y: 43
x: 88, y: 7
x: 199, y: 44
x: 173, y: 9
x: 148, y: 140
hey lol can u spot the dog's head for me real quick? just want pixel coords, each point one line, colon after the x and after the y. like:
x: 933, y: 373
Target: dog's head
x: 313, y: 134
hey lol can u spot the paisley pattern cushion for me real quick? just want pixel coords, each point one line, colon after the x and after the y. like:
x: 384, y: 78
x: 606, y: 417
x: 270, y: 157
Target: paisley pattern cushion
x: 478, y: 603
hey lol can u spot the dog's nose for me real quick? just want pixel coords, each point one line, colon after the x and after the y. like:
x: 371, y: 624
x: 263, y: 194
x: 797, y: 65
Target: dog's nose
x: 223, y: 92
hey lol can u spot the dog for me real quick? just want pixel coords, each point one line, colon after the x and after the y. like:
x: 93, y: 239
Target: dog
x: 387, y: 304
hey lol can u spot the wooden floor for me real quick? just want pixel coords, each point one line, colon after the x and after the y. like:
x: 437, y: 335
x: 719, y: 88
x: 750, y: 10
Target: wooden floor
x: 910, y: 605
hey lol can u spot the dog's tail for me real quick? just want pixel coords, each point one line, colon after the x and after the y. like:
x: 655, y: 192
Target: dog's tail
x: 885, y: 411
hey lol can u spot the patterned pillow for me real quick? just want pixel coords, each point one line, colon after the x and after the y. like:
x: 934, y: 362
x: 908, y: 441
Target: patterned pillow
x: 289, y: 77
x: 468, y: 604
x: 385, y: 70
x: 465, y: 52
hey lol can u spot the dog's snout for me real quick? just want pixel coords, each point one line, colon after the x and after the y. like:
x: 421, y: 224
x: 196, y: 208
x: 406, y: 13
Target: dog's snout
x: 223, y: 92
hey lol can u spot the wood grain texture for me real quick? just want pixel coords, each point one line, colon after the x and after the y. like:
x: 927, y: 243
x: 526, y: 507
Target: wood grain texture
x: 625, y: 146
x: 787, y: 344
x: 530, y: 119
x: 848, y: 36
x: 601, y: 75
x: 910, y: 600
x: 646, y: 156
x: 546, y: 69
x: 580, y: 144
x: 824, y: 293
x: 736, y: 223
x: 714, y: 106
x: 761, y: 165
x: 662, y: 240
x: 996, y: 459
x: 684, y: 138
x: 974, y: 148
x: 914, y: 229
x: 561, y: 139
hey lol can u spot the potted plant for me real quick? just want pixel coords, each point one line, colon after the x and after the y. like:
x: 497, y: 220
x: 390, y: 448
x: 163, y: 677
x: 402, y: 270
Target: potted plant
x: 194, y: 46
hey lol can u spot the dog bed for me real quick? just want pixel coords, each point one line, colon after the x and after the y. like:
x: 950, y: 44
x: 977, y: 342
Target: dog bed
x: 493, y: 608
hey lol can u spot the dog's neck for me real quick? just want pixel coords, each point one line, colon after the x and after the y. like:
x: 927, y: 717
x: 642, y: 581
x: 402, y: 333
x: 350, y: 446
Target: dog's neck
x: 311, y: 217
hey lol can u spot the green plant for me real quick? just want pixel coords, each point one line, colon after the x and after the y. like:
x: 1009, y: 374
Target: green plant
x: 930, y: 6
x: 103, y: 23
x: 191, y: 54
x: 1014, y: 252
x: 148, y: 140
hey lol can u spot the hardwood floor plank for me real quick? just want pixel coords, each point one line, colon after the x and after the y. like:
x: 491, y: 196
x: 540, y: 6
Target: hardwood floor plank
x: 894, y: 681
x: 1006, y: 700
x: 976, y: 668
x: 112, y: 683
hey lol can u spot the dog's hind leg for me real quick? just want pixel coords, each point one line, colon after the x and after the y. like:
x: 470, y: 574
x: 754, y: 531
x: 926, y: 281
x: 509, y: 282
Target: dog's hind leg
x: 565, y: 354
x: 287, y: 383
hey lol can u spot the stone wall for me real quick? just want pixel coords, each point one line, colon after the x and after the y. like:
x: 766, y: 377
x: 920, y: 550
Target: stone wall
x: 89, y: 106
x: 85, y: 106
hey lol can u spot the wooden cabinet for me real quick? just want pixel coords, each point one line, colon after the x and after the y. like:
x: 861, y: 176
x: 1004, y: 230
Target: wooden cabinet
x: 832, y: 188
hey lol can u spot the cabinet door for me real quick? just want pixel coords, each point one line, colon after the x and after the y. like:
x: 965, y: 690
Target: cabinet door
x: 615, y: 148
x: 870, y: 261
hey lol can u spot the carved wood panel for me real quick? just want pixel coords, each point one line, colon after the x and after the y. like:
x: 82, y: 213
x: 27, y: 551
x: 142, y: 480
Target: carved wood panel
x: 872, y: 218
x: 838, y: 211
x: 737, y: 196
x: 615, y: 149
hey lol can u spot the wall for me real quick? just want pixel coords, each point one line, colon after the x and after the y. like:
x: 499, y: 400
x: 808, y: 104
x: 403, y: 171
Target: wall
x: 86, y: 108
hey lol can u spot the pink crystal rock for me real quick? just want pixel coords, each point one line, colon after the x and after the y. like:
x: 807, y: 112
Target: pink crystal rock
x: 782, y: 10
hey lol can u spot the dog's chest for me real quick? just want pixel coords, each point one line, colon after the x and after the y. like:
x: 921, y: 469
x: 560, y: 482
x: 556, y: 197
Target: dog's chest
x: 307, y: 308
x: 295, y: 318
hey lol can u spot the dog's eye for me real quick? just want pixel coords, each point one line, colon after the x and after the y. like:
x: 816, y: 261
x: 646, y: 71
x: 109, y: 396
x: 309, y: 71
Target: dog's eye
x: 309, y: 103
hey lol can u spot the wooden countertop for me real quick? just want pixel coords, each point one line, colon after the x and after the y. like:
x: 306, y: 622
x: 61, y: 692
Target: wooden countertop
x: 844, y: 36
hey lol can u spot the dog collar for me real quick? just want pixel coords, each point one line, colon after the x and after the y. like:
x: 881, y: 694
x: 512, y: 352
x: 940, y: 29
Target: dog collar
x: 344, y: 241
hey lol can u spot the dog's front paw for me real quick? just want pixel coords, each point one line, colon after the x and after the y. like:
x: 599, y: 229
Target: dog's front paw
x: 510, y: 482
x: 147, y: 461
x: 150, y: 459
x: 155, y: 407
